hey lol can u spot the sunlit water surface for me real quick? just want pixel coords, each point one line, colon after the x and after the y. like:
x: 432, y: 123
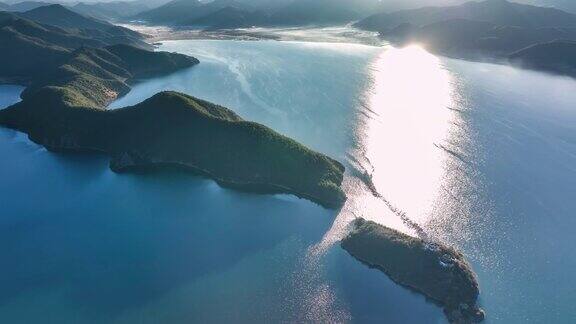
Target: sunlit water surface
x: 477, y: 155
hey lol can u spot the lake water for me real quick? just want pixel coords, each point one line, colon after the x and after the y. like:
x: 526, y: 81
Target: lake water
x: 477, y: 155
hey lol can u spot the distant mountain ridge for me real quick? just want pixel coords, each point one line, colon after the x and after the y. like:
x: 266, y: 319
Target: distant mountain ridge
x: 28, y: 46
x: 171, y: 12
x: 27, y: 5
x: 371, y: 14
x: 228, y: 17
x: 58, y: 15
x: 499, y: 12
x: 308, y: 12
x: 488, y: 30
x: 110, y: 11
x: 246, y: 13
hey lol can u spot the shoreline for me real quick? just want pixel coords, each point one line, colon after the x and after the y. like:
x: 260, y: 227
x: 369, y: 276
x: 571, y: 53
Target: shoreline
x: 156, y: 34
x: 314, y: 34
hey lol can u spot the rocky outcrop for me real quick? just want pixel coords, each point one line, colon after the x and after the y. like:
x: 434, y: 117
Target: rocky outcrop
x: 432, y: 269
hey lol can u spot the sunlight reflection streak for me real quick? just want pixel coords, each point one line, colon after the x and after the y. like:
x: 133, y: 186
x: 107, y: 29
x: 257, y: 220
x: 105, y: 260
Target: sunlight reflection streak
x: 411, y: 94
x: 396, y: 171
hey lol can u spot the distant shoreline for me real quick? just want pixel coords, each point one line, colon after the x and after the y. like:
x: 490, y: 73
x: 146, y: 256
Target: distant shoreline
x: 334, y: 34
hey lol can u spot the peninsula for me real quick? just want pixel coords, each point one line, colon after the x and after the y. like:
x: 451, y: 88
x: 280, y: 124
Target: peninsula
x: 64, y: 109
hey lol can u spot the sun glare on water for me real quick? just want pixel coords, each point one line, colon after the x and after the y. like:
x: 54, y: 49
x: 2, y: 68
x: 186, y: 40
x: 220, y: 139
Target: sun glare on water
x: 405, y: 119
x: 410, y: 99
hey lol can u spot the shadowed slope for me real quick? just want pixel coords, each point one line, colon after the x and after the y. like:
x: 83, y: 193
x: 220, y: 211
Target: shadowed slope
x: 557, y: 56
x: 30, y: 48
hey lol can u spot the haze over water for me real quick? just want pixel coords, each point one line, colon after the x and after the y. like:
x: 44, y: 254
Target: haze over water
x: 477, y: 155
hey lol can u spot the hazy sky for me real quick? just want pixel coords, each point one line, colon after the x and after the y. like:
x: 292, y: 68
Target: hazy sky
x: 392, y: 4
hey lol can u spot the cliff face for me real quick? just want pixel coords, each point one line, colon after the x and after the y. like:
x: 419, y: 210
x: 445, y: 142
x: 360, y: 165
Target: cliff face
x: 437, y: 271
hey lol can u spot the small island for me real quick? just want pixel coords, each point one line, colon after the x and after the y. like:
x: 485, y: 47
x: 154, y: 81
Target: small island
x: 432, y: 269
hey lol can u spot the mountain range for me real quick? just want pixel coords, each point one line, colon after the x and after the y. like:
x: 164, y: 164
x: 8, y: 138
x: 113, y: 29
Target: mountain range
x: 110, y: 11
x: 261, y: 13
x: 498, y: 12
x: 242, y: 13
x: 477, y: 30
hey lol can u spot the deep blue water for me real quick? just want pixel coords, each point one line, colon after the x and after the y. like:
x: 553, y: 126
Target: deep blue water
x: 522, y: 149
x: 81, y: 244
x: 481, y: 156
